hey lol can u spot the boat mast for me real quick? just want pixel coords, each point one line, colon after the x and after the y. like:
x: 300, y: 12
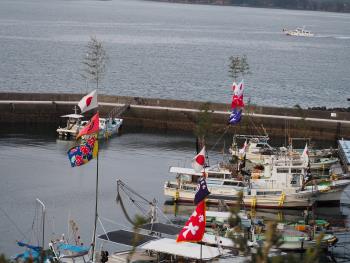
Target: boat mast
x: 43, y: 218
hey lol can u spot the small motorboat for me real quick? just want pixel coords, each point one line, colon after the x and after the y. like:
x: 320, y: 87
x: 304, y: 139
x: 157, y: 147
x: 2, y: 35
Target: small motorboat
x: 71, y: 130
x: 298, y: 32
x: 108, y: 127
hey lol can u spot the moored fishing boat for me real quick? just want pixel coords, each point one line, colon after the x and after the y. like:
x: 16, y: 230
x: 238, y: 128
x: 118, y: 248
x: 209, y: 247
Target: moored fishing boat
x: 73, y: 124
x: 281, y: 184
x: 107, y: 126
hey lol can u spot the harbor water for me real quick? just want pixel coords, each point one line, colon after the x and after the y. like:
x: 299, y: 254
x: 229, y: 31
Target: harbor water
x: 34, y: 164
x: 157, y: 50
x: 176, y: 51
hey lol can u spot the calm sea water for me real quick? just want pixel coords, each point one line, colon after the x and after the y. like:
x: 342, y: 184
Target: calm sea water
x: 177, y: 51
x: 35, y: 165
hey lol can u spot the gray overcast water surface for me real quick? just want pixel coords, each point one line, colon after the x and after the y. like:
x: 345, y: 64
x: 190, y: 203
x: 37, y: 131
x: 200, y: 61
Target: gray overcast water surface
x: 176, y: 51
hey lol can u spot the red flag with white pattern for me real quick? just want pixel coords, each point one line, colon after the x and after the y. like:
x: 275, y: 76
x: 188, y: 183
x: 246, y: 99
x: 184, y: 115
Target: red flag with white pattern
x: 194, y: 228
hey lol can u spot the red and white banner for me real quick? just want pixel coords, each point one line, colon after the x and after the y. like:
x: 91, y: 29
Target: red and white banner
x: 194, y: 228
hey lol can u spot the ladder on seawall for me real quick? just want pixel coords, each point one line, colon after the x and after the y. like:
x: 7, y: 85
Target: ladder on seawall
x: 117, y: 112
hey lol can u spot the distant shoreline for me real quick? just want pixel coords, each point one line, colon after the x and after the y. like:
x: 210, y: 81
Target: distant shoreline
x: 338, y: 6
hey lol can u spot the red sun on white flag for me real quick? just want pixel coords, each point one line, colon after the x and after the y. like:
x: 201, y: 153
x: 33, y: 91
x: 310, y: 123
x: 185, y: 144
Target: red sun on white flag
x: 88, y: 102
x: 199, y: 161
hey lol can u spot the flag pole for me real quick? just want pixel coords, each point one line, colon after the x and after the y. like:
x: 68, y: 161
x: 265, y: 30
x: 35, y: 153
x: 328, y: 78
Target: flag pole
x: 96, y: 202
x: 201, y: 253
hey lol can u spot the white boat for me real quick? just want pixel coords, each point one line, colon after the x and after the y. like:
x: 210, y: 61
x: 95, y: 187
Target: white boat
x: 73, y: 124
x: 258, y: 151
x: 107, y: 127
x: 257, y: 148
x: 279, y: 190
x: 226, y: 189
x: 280, y: 185
x: 299, y: 32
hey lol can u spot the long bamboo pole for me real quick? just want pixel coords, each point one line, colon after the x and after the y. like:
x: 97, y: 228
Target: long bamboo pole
x: 96, y: 212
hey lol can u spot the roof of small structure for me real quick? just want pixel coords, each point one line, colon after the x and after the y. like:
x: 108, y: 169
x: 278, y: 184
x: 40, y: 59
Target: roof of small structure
x: 183, y: 249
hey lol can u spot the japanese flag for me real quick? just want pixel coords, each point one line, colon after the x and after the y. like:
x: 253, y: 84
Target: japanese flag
x: 88, y: 102
x: 305, y: 154
x: 194, y: 228
x: 199, y: 161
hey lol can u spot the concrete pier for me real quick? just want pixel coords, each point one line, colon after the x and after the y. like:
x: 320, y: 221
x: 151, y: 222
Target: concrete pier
x: 176, y: 115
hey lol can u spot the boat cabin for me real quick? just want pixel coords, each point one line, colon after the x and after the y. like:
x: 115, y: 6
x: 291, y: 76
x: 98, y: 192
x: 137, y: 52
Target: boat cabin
x: 73, y: 122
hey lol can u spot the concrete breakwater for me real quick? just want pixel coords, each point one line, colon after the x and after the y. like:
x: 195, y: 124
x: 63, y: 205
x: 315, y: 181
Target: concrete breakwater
x: 178, y: 115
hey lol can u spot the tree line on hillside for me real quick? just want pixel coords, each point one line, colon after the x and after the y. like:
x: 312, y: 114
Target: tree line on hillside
x: 321, y: 5
x: 315, y: 5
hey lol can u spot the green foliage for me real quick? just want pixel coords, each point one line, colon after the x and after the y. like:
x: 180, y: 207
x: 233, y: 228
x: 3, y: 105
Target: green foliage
x: 204, y: 123
x: 234, y: 159
x: 312, y: 255
x: 236, y: 232
x: 3, y: 259
x: 138, y: 221
x: 95, y: 61
x: 238, y: 66
x: 272, y: 240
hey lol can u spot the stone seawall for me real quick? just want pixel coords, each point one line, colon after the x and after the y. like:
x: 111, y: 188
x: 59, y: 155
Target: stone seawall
x: 176, y: 115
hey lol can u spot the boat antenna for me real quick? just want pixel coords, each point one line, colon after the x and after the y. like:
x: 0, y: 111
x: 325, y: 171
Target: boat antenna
x: 43, y: 220
x: 75, y: 109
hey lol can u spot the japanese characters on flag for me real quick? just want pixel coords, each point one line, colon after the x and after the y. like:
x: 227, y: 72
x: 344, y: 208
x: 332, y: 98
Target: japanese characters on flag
x: 235, y: 116
x: 88, y: 102
x: 194, y: 228
x: 198, y: 161
x: 202, y: 190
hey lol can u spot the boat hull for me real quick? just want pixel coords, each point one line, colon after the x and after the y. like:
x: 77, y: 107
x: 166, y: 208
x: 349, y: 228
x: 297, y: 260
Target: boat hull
x: 269, y: 201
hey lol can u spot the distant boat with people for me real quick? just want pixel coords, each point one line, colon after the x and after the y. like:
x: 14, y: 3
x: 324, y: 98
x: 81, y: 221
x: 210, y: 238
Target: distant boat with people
x: 298, y: 32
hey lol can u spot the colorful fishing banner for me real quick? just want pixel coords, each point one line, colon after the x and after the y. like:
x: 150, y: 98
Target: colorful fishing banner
x: 83, y: 153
